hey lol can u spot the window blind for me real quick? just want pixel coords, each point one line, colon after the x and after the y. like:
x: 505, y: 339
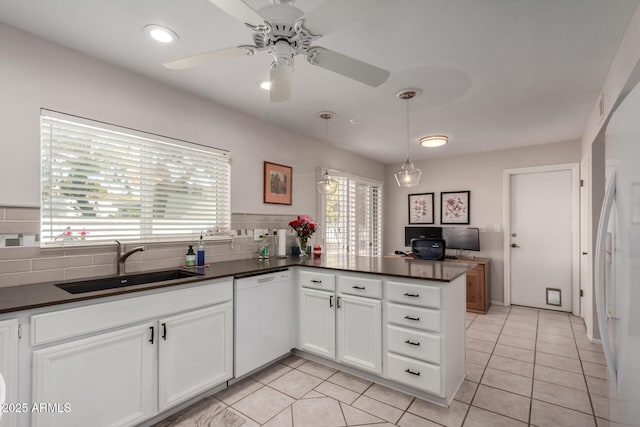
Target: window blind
x: 352, y: 217
x: 101, y: 182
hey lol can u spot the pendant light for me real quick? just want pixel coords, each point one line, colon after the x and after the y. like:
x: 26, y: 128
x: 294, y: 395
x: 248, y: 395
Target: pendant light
x: 408, y: 175
x: 326, y: 185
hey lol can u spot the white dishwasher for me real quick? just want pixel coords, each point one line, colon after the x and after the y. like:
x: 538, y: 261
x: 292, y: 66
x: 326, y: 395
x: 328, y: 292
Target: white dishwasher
x: 263, y: 319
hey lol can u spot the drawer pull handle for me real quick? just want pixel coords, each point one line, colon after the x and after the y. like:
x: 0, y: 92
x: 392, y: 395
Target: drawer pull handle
x: 362, y: 288
x: 411, y: 342
x: 317, y: 281
x: 164, y: 331
x: 407, y: 294
x: 151, y: 340
x: 409, y: 371
x: 338, y: 302
x: 330, y: 301
x: 412, y: 318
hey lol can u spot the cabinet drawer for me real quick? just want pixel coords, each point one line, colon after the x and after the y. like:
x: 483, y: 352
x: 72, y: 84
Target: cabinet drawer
x: 414, y: 317
x: 412, y: 372
x: 312, y: 279
x: 371, y: 288
x: 419, y: 345
x: 409, y: 293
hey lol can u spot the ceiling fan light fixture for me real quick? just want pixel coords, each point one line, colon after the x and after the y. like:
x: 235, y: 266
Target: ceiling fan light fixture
x: 265, y: 84
x: 161, y: 34
x: 434, y: 141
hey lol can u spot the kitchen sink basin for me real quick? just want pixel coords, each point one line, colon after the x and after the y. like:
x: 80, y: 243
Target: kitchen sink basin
x: 126, y: 280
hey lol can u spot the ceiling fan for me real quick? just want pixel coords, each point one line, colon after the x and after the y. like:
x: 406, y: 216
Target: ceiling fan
x: 284, y: 31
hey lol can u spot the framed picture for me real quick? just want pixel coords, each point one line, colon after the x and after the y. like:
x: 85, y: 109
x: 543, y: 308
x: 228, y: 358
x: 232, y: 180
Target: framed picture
x: 277, y: 184
x: 455, y: 207
x: 421, y: 208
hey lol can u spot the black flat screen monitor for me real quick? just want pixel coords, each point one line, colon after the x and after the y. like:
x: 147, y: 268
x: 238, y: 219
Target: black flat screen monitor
x: 463, y: 238
x: 421, y: 232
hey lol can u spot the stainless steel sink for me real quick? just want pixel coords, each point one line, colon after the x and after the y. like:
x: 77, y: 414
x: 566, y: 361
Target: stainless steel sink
x: 126, y: 280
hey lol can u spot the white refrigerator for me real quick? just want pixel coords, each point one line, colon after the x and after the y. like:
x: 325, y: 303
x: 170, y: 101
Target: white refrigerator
x: 617, y: 262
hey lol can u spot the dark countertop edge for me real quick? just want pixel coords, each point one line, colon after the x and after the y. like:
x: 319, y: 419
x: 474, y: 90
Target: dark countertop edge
x: 50, y: 295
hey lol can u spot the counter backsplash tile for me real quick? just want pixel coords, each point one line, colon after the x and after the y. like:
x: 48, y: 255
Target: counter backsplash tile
x: 22, y: 265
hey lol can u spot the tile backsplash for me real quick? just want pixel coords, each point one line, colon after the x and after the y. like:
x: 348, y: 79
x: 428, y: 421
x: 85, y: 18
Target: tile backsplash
x: 23, y: 262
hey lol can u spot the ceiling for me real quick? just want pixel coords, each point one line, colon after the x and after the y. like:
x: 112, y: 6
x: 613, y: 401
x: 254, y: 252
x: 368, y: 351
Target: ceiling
x: 494, y: 74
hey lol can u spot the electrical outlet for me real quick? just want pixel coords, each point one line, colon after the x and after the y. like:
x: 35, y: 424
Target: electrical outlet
x: 258, y: 233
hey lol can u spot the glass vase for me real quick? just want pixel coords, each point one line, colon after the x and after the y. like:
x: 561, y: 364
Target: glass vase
x: 303, y: 243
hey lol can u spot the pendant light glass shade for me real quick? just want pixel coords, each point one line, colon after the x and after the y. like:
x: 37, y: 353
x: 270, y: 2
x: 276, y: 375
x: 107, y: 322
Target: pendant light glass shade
x: 408, y: 175
x: 327, y: 185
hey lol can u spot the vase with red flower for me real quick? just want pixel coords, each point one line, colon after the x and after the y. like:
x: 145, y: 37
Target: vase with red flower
x: 304, y: 227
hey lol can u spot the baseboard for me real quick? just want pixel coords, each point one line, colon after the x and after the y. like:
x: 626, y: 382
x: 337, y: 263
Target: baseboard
x: 593, y: 340
x: 500, y: 303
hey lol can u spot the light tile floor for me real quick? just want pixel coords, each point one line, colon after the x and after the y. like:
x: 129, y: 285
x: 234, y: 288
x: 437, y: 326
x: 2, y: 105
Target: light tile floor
x: 524, y: 367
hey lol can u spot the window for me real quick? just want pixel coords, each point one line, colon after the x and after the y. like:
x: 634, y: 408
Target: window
x: 101, y: 182
x: 352, y: 217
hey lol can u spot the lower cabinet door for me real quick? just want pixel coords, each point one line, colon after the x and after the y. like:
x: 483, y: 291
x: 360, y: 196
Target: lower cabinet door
x: 9, y: 369
x: 317, y: 322
x: 104, y: 380
x: 359, y: 332
x: 195, y: 353
x: 473, y: 291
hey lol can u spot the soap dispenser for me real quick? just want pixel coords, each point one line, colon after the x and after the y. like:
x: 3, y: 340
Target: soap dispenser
x: 190, y: 260
x: 201, y: 252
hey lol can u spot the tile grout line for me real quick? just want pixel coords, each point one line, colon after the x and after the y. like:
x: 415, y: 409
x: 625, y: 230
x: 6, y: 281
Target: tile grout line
x: 584, y: 376
x: 533, y: 374
x: 485, y: 366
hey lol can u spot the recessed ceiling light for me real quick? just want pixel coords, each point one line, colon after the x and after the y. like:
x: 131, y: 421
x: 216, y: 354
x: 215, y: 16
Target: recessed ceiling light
x: 266, y: 85
x: 434, y: 140
x: 161, y: 34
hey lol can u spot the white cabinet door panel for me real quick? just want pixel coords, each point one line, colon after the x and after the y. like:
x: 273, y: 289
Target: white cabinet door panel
x: 196, y: 353
x: 9, y: 366
x: 107, y: 380
x: 360, y: 332
x: 317, y: 322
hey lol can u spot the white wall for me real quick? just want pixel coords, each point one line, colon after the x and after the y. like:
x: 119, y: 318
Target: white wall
x: 35, y: 73
x: 481, y: 174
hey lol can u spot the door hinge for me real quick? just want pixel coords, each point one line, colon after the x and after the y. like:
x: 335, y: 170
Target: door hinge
x: 19, y: 331
x: 581, y: 292
x: 582, y: 183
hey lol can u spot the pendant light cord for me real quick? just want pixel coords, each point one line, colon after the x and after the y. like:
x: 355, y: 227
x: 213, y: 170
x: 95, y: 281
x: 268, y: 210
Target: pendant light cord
x: 408, y: 128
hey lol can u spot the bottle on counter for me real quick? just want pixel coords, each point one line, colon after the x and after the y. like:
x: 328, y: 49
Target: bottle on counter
x: 190, y: 260
x: 201, y: 252
x: 264, y: 248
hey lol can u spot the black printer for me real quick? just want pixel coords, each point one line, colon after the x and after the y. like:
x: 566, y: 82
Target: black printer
x: 428, y: 248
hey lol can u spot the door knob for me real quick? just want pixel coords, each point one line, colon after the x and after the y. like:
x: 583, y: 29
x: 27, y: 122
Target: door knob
x: 513, y: 245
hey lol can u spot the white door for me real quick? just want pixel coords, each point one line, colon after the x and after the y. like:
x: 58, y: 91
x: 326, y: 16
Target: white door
x: 541, y: 239
x: 107, y: 380
x: 359, y: 332
x: 9, y: 367
x: 317, y: 322
x: 195, y: 353
x: 587, y: 306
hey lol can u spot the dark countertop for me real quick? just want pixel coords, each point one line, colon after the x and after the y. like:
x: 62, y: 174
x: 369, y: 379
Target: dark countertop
x: 25, y: 297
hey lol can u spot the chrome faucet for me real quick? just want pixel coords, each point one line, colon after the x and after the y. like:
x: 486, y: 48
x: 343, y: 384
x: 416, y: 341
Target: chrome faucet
x: 122, y: 256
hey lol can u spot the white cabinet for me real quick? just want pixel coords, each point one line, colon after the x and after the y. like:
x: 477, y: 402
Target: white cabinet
x: 317, y: 322
x: 195, y: 353
x: 359, y: 332
x: 117, y: 375
x: 9, y: 366
x: 106, y: 380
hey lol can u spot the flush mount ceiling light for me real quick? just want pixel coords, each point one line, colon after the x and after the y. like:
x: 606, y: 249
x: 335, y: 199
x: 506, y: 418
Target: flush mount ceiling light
x: 326, y: 185
x: 161, y: 34
x: 408, y: 175
x: 434, y: 141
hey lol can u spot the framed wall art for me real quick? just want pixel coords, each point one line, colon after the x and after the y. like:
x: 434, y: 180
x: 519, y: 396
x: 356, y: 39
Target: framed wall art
x: 421, y: 208
x: 277, y: 183
x: 455, y: 207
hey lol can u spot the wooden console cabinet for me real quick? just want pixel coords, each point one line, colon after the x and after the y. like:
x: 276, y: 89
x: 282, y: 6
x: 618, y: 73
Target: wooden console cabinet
x: 478, y: 284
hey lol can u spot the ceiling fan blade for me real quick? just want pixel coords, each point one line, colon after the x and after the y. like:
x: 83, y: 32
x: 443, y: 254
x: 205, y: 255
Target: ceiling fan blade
x: 280, y: 77
x: 349, y: 67
x: 203, y: 58
x: 333, y: 14
x: 239, y: 10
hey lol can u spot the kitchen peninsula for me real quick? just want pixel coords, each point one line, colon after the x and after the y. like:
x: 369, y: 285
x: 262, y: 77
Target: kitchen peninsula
x: 398, y: 322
